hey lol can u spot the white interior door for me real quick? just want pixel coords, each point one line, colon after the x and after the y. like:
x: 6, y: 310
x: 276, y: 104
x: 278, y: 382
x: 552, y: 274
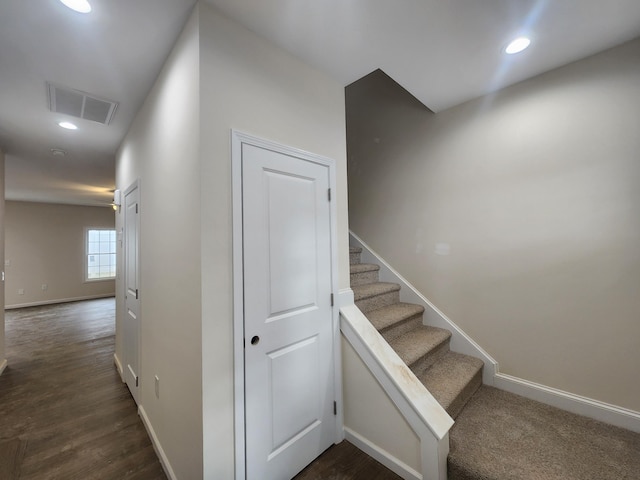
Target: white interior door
x: 289, y: 376
x: 132, y: 300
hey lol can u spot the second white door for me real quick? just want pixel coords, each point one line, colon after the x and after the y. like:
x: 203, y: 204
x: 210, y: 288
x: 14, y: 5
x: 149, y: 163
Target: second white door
x: 131, y: 337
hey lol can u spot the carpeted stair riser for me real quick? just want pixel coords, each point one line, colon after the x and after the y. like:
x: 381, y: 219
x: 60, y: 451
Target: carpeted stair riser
x: 397, y: 319
x: 401, y: 328
x: 422, y: 347
x: 364, y: 273
x: 453, y: 380
x: 375, y: 295
x: 354, y: 255
x: 465, y: 395
x: 378, y: 301
x: 425, y: 362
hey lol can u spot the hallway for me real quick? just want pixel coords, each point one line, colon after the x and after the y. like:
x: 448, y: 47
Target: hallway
x: 65, y: 414
x: 63, y: 409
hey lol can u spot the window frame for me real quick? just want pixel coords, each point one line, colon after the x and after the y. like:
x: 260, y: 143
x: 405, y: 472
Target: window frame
x: 85, y: 261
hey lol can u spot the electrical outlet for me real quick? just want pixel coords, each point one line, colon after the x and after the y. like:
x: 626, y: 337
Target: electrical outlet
x: 44, y: 287
x: 157, y: 386
x: 21, y: 291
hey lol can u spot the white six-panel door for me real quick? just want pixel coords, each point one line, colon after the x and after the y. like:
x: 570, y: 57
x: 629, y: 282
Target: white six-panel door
x: 289, y: 357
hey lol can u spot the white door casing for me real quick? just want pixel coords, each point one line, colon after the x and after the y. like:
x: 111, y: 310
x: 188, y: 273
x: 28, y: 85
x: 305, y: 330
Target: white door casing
x: 290, y: 329
x: 131, y: 329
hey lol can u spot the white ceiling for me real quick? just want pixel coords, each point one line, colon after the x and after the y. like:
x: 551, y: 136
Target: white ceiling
x: 443, y: 52
x: 115, y: 52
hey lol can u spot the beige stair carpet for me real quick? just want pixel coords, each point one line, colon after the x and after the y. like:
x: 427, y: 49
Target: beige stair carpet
x: 501, y: 436
x: 451, y: 377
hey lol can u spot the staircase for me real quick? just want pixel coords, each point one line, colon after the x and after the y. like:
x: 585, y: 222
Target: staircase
x: 498, y: 435
x: 452, y: 378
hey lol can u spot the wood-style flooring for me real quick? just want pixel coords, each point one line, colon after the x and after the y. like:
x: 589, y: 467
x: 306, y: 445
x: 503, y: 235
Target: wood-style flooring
x: 345, y: 462
x: 61, y: 394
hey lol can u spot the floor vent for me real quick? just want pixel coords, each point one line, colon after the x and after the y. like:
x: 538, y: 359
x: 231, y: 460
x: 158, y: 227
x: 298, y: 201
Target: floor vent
x: 80, y: 104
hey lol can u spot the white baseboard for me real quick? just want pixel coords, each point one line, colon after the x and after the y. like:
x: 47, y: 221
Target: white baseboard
x: 3, y: 365
x: 118, y: 364
x: 59, y: 300
x: 604, y: 412
x: 164, y: 461
x: 385, y: 458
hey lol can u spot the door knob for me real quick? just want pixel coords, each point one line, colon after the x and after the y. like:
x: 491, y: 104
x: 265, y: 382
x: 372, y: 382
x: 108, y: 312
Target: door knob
x: 255, y: 339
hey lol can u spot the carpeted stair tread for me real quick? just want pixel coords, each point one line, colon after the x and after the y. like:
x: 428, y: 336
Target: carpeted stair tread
x: 419, y: 343
x: 364, y: 267
x: 355, y: 249
x: 452, y: 380
x: 500, y: 435
x: 385, y: 317
x: 361, y: 292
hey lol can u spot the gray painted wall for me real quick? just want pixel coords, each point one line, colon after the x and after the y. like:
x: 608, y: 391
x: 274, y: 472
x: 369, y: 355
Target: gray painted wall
x: 535, y: 192
x: 45, y: 245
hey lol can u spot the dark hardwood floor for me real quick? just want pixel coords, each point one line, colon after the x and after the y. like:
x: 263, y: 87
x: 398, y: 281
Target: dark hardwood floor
x: 61, y: 395
x: 345, y: 462
x: 65, y: 411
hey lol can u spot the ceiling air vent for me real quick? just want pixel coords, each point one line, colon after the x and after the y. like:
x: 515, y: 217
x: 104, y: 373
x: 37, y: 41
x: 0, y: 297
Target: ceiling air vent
x: 80, y: 104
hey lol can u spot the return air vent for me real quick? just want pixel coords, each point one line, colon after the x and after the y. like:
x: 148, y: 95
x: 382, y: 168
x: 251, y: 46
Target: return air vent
x: 80, y: 104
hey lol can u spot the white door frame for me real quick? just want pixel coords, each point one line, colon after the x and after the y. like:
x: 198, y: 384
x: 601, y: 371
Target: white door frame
x: 128, y: 190
x: 237, y: 140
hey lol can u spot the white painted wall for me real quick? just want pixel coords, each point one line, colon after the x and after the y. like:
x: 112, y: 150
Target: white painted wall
x: 2, y: 284
x: 161, y: 150
x: 535, y: 190
x: 45, y: 244
x: 220, y: 76
x: 251, y: 86
x: 371, y: 414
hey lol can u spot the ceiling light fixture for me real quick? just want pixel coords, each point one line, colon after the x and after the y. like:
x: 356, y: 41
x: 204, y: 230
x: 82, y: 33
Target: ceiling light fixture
x: 117, y: 199
x: 80, y: 6
x: 517, y: 45
x: 68, y: 125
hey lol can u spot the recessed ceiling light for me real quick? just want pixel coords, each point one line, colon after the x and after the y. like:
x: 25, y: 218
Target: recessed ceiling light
x: 68, y: 125
x: 517, y: 45
x: 81, y: 6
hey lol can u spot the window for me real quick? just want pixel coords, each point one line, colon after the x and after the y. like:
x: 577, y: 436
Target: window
x: 101, y: 254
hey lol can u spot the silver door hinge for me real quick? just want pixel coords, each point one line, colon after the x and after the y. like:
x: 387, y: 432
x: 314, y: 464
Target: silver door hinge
x: 329, y: 194
x: 136, y: 293
x: 335, y: 408
x: 332, y: 299
x: 136, y: 381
